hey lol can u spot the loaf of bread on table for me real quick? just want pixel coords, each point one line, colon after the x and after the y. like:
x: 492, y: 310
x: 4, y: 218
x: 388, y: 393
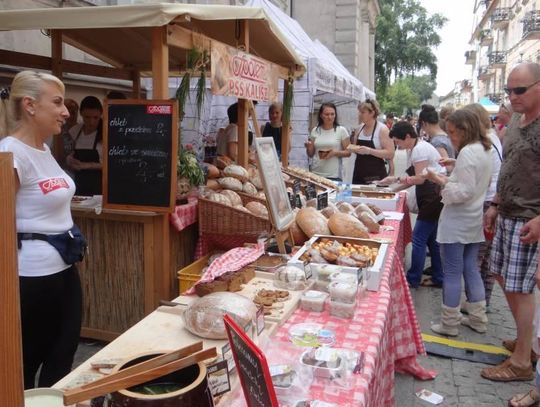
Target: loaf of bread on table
x: 312, y: 222
x: 230, y: 183
x: 370, y: 222
x: 343, y: 224
x: 233, y: 197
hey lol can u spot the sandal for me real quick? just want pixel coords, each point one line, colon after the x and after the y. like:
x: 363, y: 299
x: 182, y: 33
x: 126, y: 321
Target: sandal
x: 529, y: 399
x: 428, y: 282
x: 507, y: 372
x: 510, y: 345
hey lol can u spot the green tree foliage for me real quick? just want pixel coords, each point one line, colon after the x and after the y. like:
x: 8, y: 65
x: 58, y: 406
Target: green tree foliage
x: 399, y: 98
x: 404, y: 40
x: 423, y: 86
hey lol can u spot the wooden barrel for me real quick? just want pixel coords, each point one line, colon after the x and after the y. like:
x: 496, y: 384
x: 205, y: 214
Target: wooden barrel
x: 187, y: 387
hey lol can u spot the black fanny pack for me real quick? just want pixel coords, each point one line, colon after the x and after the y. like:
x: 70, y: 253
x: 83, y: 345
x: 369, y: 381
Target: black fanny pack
x: 71, y: 245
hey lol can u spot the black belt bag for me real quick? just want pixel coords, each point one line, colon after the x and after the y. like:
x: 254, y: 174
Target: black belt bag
x: 71, y: 245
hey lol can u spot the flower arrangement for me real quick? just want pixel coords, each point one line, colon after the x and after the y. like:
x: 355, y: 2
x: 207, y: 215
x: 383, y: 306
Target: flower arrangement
x: 188, y: 166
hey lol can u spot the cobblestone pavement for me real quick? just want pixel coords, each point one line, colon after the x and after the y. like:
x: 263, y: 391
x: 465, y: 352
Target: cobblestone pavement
x: 458, y: 381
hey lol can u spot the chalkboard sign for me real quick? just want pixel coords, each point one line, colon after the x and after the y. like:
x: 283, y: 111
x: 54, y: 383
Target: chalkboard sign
x: 252, y: 368
x: 140, y: 142
x: 322, y: 201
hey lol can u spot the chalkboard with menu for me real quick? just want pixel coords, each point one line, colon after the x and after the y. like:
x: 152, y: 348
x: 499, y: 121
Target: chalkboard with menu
x: 252, y: 367
x: 140, y: 144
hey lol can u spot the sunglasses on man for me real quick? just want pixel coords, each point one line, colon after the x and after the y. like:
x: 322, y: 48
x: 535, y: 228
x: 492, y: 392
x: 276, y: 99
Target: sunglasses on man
x: 519, y: 90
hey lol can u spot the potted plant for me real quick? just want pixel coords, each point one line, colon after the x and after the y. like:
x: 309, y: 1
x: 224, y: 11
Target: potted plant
x: 189, y: 173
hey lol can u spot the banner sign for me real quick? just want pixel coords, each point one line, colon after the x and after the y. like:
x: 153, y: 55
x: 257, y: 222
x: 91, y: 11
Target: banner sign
x: 244, y: 76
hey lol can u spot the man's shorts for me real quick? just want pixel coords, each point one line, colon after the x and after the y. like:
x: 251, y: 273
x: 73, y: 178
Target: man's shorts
x: 514, y: 260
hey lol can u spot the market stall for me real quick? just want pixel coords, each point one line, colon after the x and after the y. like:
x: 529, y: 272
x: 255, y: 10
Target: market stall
x: 123, y: 285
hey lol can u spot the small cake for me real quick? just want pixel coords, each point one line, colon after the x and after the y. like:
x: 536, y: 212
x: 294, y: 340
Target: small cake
x: 208, y: 287
x: 343, y: 291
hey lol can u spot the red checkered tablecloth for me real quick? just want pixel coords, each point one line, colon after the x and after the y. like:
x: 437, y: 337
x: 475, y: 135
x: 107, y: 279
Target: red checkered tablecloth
x: 184, y: 215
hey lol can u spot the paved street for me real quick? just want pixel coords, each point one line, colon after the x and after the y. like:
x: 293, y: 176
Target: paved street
x: 459, y: 381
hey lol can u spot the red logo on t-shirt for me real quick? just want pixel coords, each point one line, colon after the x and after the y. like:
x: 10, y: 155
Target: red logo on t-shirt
x: 53, y: 184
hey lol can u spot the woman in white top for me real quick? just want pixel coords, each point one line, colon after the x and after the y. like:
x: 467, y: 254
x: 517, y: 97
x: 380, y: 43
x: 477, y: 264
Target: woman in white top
x: 421, y: 155
x: 496, y: 159
x: 460, y: 231
x: 371, y: 145
x: 327, y: 144
x: 50, y: 289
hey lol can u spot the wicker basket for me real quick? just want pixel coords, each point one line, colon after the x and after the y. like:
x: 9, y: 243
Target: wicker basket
x: 221, y: 219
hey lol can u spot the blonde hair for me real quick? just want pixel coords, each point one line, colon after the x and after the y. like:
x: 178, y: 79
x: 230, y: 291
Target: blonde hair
x: 473, y: 130
x: 482, y: 114
x: 370, y: 105
x: 275, y: 106
x: 25, y: 84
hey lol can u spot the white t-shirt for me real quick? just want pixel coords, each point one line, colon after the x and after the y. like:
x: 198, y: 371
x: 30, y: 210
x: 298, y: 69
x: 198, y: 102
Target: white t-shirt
x: 496, y: 160
x: 84, y: 141
x: 42, y: 205
x: 463, y: 197
x: 424, y: 151
x: 228, y: 135
x: 327, y: 140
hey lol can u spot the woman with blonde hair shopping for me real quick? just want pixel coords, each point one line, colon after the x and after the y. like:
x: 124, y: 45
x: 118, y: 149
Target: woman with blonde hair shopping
x: 50, y: 289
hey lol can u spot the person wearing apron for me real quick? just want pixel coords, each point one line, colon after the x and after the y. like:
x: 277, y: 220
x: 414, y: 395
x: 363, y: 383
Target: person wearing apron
x: 372, y: 146
x: 85, y: 161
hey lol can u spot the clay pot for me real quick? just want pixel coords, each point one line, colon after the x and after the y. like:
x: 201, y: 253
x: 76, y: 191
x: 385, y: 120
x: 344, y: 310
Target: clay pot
x: 190, y: 383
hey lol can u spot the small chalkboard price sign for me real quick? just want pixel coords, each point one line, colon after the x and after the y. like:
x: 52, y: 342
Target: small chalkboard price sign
x: 140, y: 144
x: 322, y: 201
x: 252, y: 368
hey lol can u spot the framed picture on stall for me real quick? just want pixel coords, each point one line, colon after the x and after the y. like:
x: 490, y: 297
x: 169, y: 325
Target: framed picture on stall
x: 280, y: 210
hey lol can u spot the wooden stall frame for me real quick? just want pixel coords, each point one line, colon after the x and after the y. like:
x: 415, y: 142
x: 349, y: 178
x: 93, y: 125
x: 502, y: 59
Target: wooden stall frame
x: 11, y: 374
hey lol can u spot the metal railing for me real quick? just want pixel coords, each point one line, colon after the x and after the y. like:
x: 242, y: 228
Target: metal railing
x: 501, y: 14
x: 497, y: 57
x: 531, y: 22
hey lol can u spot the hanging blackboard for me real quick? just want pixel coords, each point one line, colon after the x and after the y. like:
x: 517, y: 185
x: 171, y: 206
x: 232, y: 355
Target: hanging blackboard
x: 252, y: 367
x: 140, y: 142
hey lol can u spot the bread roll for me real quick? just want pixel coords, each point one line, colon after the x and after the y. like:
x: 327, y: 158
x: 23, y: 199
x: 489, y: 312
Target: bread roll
x: 236, y: 171
x: 220, y: 198
x: 364, y: 208
x: 222, y: 161
x: 249, y: 188
x: 213, y: 171
x: 345, y: 207
x: 312, y: 222
x: 343, y: 224
x: 329, y: 210
x: 233, y: 197
x: 256, y: 180
x: 230, y: 183
x: 213, y: 184
x: 257, y: 208
x: 370, y: 222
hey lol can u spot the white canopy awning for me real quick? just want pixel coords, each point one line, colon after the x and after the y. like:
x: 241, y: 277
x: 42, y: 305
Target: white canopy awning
x: 122, y: 35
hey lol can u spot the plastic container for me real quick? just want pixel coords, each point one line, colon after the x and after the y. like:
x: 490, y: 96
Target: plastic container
x: 342, y: 291
x: 313, y: 300
x: 342, y: 309
x: 311, y: 334
x: 290, y: 278
x: 321, y: 285
x: 325, y: 362
x: 344, y: 277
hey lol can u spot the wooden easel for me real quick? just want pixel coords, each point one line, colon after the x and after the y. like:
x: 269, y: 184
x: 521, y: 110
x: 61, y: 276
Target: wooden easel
x: 282, y: 237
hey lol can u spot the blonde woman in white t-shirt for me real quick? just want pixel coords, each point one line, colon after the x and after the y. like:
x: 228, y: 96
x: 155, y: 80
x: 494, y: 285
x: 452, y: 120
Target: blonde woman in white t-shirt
x: 50, y: 289
x: 327, y: 144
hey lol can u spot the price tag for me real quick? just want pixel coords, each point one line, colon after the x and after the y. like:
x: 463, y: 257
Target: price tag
x: 296, y: 186
x: 227, y: 355
x: 311, y: 192
x: 292, y: 201
x: 322, y: 201
x: 218, y: 378
x: 297, y: 201
x: 260, y: 320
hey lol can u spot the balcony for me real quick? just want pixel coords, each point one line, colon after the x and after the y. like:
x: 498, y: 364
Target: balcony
x: 497, y: 59
x: 496, y: 98
x: 485, y: 73
x: 470, y: 57
x: 486, y: 37
x: 531, y: 25
x: 500, y: 18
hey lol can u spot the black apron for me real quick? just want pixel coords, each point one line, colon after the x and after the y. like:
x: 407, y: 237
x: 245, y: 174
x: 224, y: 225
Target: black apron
x: 88, y: 182
x: 368, y: 168
x: 428, y: 198
x: 275, y: 133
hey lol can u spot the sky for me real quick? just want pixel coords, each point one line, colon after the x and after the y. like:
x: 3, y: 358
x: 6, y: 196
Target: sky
x: 455, y: 36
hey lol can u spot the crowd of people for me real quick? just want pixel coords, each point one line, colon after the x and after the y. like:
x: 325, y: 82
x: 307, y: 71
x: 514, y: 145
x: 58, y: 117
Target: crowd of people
x: 478, y: 203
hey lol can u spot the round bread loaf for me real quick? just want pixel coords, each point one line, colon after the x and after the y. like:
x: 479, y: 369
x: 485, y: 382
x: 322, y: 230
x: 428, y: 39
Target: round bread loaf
x: 236, y: 171
x: 249, y: 188
x: 230, y: 183
x: 213, y: 184
x: 343, y: 224
x: 298, y: 235
x: 233, y: 197
x: 257, y: 208
x: 220, y: 198
x: 213, y: 171
x: 222, y: 161
x: 370, y: 222
x: 312, y: 222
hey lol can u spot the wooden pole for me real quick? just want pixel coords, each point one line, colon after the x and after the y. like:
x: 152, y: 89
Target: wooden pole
x: 243, y: 154
x: 285, y: 130
x: 136, y: 79
x: 57, y: 70
x: 160, y: 90
x: 11, y: 375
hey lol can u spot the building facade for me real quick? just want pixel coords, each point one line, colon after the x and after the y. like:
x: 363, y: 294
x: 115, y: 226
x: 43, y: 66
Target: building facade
x: 506, y: 32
